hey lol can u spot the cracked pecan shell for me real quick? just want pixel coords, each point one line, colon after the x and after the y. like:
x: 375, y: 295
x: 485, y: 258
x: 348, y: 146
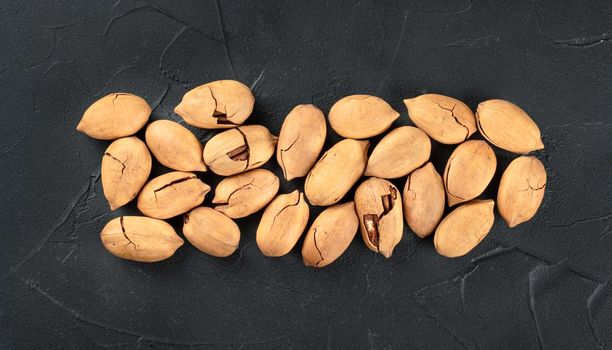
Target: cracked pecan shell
x: 424, y: 200
x: 330, y: 235
x: 125, y: 168
x: 244, y: 194
x: 521, y: 190
x: 469, y: 171
x: 114, y: 116
x: 282, y: 224
x: 379, y: 209
x: 300, y: 140
x: 140, y: 238
x: 445, y: 119
x: 171, y: 194
x: 217, y: 105
x: 240, y: 149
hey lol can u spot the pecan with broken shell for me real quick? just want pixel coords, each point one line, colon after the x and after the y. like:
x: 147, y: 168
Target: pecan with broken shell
x: 140, y: 238
x: 240, y: 149
x: 244, y: 194
x: 282, y: 224
x: 171, y: 194
x: 217, y: 105
x: 126, y: 166
x: 379, y: 209
x: 469, y: 171
x: 521, y: 190
x: 330, y: 235
x: 424, y: 200
x: 300, y: 140
x: 445, y: 119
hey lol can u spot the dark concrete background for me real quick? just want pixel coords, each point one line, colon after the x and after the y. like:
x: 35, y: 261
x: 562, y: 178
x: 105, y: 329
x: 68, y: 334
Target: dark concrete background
x: 545, y: 284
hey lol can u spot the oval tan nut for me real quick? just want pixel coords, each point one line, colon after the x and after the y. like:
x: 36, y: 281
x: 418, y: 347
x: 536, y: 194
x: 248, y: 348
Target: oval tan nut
x: 300, y: 140
x: 521, y: 190
x: 468, y: 171
x: 140, y: 238
x: 424, y: 200
x: 240, y: 149
x: 282, y: 224
x: 445, y: 119
x: 217, y: 105
x: 114, y: 116
x: 330, y: 235
x: 211, y: 232
x: 361, y: 116
x: 171, y: 194
x: 174, y: 146
x: 508, y: 127
x: 126, y: 166
x: 379, y: 209
x: 463, y: 228
x: 336, y: 172
x: 399, y: 153
x: 244, y: 194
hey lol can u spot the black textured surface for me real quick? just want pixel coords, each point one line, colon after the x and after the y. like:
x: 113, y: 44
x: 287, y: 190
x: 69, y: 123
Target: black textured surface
x: 545, y: 284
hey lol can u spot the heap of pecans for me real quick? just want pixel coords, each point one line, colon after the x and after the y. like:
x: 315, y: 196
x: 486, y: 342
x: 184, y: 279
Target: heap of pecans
x: 379, y: 208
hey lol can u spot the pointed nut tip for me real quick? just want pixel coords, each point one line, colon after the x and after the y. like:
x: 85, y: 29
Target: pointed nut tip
x: 180, y: 111
x: 512, y: 222
x: 201, y: 167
